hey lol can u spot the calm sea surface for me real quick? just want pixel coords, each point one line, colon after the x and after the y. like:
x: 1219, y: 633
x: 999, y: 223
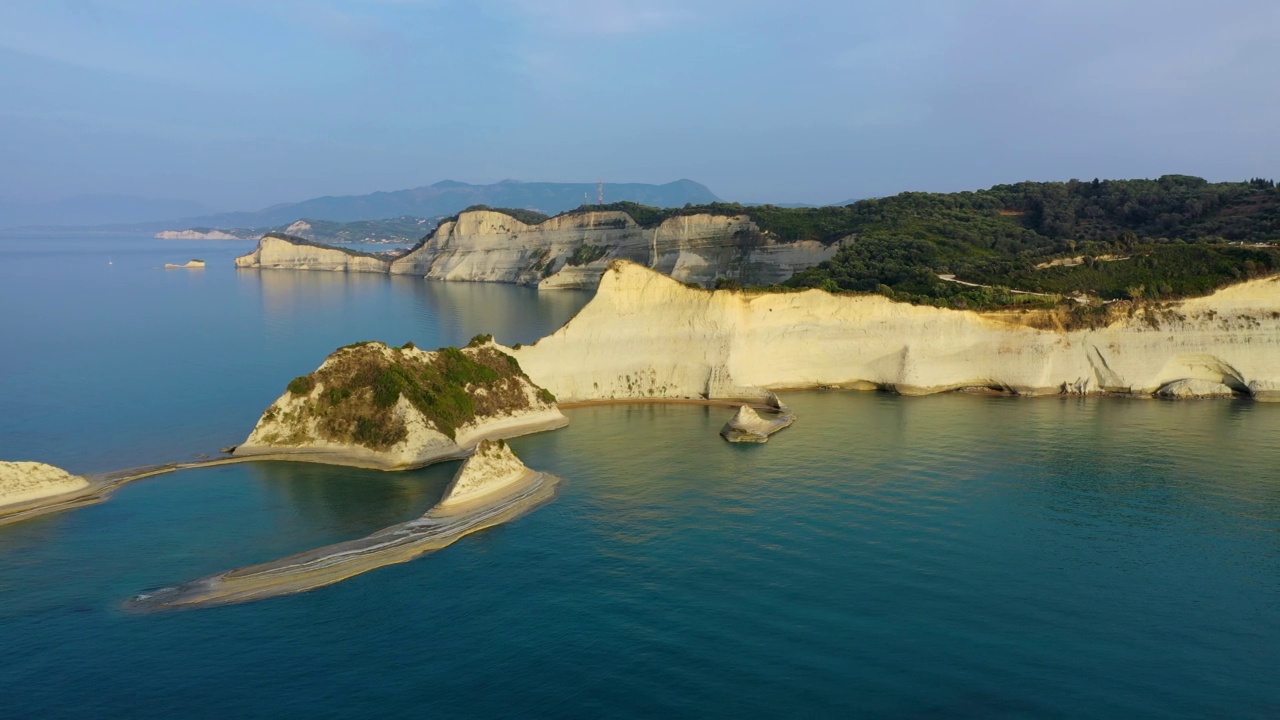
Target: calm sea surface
x: 951, y: 556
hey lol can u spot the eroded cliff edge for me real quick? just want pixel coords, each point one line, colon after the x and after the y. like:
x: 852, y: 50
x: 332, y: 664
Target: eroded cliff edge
x: 371, y: 405
x: 567, y: 251
x: 646, y: 335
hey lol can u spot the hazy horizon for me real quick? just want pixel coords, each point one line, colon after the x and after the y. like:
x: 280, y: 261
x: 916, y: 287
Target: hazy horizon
x: 239, y: 106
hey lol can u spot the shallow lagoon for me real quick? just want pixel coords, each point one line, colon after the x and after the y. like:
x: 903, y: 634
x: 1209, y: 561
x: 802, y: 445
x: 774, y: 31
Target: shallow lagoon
x: 952, y: 555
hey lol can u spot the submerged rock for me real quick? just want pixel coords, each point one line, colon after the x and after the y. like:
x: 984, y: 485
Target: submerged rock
x: 748, y: 426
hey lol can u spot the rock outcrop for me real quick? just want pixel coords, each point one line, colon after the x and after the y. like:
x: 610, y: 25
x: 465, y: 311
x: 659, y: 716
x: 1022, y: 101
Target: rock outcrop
x: 24, y: 482
x: 645, y: 335
x: 746, y: 425
x: 573, y: 250
x: 190, y: 265
x: 491, y: 472
x: 566, y: 251
x: 371, y: 405
x: 287, y: 252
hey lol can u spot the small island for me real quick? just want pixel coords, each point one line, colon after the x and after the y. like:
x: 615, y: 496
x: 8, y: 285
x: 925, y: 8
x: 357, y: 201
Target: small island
x: 189, y: 265
x: 392, y: 408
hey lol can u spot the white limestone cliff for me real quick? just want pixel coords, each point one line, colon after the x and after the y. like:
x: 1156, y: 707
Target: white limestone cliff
x: 23, y: 482
x: 306, y: 424
x: 573, y: 250
x: 645, y: 335
x: 292, y: 253
x: 566, y: 251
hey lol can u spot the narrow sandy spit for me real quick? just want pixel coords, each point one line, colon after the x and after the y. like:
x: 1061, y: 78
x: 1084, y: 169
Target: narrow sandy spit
x: 333, y: 563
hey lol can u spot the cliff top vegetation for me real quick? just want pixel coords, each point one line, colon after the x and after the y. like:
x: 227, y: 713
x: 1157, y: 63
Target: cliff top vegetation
x: 1167, y: 238
x: 354, y: 394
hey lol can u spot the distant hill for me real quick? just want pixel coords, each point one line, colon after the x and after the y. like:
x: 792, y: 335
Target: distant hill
x: 449, y: 197
x: 96, y: 210
x: 398, y: 230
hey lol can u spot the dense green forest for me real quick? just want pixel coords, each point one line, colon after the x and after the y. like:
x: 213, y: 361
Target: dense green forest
x: 1128, y: 239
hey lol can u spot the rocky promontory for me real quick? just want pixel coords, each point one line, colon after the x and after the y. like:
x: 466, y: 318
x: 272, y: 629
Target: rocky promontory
x: 645, y: 335
x: 566, y: 251
x: 372, y: 405
x: 289, y: 252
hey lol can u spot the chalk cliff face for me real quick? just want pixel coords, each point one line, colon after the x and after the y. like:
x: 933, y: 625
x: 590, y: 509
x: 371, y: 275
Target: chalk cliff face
x: 276, y: 250
x: 645, y: 335
x: 572, y: 251
x: 22, y: 482
x: 371, y: 405
x: 567, y: 251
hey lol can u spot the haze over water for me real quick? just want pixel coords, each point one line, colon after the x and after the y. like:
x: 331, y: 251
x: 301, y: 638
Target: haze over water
x: 954, y: 556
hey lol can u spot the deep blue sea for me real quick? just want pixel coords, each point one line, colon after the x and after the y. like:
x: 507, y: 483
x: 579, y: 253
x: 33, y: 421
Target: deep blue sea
x: 947, y: 556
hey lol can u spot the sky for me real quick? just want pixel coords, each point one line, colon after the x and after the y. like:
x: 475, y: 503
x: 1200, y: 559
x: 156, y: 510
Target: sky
x: 239, y: 104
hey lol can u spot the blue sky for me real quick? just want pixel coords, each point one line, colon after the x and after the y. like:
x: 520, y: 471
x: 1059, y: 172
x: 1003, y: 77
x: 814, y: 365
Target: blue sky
x: 240, y: 104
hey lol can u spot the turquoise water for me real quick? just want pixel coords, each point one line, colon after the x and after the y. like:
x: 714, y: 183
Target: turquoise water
x: 951, y: 556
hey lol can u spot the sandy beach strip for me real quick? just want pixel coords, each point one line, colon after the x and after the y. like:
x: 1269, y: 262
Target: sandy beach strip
x: 334, y: 563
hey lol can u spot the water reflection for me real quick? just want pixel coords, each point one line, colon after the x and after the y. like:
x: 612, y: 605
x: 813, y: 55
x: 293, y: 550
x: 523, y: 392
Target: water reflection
x: 512, y: 314
x: 398, y: 308
x: 352, y: 499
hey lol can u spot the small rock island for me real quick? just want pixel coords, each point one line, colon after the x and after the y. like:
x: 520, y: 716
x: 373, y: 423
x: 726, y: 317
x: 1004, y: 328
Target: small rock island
x: 747, y: 426
x: 189, y: 265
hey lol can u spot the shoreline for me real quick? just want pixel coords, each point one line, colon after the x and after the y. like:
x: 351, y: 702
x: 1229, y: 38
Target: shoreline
x: 755, y: 404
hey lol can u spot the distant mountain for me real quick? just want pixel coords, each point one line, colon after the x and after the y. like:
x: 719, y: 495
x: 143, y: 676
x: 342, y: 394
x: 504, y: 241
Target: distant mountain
x: 448, y: 197
x: 95, y: 210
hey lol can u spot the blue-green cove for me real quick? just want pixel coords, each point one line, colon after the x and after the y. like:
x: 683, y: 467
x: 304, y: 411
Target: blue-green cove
x: 946, y: 556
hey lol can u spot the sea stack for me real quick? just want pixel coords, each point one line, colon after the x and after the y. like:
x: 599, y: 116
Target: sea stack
x: 491, y: 473
x: 747, y: 425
